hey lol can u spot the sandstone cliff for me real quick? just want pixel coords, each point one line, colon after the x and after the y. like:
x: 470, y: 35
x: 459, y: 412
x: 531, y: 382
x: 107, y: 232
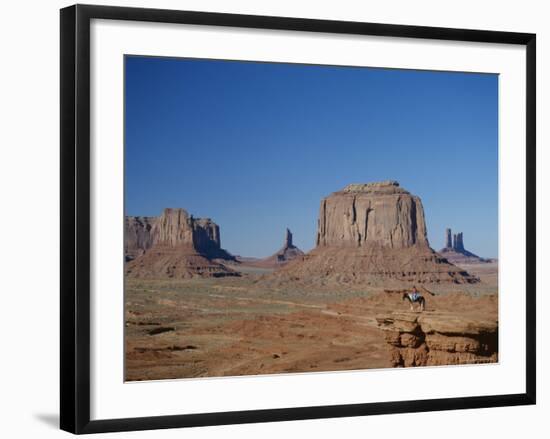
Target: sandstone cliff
x: 174, y: 227
x: 138, y: 236
x: 375, y: 214
x: 440, y: 338
x: 370, y: 234
x: 175, y: 244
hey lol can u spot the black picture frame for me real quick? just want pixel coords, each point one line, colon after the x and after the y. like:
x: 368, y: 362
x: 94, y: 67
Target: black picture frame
x: 75, y: 217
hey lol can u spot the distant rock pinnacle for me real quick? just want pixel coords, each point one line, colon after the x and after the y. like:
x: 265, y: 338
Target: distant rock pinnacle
x: 289, y: 250
x: 288, y: 239
x: 448, y: 239
x: 455, y: 252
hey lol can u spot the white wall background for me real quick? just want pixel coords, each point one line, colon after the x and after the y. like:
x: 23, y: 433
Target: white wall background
x: 29, y: 206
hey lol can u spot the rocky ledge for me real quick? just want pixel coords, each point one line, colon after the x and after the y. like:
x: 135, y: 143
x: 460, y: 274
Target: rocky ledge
x: 379, y: 187
x: 439, y: 338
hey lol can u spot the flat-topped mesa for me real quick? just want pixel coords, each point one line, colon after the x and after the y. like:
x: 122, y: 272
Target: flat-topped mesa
x: 370, y: 234
x: 176, y: 227
x: 372, y: 214
x: 174, y: 244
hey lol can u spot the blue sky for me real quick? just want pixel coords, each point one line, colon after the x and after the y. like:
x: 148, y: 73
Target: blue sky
x: 255, y: 146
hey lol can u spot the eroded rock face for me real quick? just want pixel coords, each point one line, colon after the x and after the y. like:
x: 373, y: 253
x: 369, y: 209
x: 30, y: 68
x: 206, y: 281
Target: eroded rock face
x: 174, y: 227
x: 369, y: 234
x: 177, y: 227
x: 137, y: 235
x: 175, y: 244
x: 434, y: 339
x: 375, y: 214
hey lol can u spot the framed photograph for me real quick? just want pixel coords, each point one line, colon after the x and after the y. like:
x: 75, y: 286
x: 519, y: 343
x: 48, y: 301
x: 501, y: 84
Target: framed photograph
x: 274, y: 218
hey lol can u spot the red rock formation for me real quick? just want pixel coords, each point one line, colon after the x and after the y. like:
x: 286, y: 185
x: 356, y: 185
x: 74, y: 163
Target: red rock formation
x: 288, y: 252
x: 448, y: 239
x: 137, y: 235
x: 172, y: 228
x: 285, y: 254
x: 173, y: 245
x: 375, y: 214
x: 371, y: 233
x: 456, y: 253
x: 434, y: 339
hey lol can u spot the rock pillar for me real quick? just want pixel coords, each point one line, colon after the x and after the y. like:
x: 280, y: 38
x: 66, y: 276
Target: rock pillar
x: 448, y: 239
x: 288, y: 239
x: 459, y: 242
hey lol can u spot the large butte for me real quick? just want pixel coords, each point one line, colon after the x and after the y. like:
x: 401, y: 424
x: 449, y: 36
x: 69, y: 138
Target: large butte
x: 368, y: 234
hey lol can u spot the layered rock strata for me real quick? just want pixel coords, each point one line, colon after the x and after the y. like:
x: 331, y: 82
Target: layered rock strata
x: 371, y: 215
x: 434, y: 339
x: 369, y: 233
x: 138, y: 235
x: 175, y: 244
x: 173, y: 227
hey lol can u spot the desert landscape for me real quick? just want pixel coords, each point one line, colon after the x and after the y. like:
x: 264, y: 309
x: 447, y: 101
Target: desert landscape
x: 194, y: 309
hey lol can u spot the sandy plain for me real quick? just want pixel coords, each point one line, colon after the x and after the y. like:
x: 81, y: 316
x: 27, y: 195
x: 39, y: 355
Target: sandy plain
x: 237, y: 326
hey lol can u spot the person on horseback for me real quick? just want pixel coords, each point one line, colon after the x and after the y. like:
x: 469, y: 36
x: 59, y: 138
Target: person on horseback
x: 415, y: 294
x: 415, y: 297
